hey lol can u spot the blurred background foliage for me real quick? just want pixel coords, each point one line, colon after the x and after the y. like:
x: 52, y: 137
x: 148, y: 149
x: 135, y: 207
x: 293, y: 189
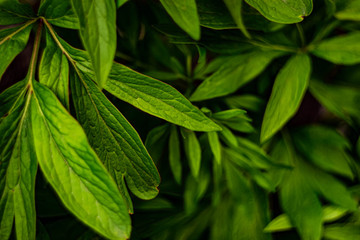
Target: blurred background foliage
x: 302, y: 183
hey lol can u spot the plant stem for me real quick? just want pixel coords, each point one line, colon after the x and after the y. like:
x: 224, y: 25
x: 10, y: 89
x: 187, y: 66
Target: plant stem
x: 35, y: 53
x: 301, y: 34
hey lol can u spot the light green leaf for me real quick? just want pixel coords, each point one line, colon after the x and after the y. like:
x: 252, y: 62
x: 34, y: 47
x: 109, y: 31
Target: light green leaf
x: 215, y: 146
x: 290, y: 11
x: 343, y: 49
x: 283, y: 223
x: 13, y: 12
x: 174, y: 154
x: 12, y: 42
x: 98, y: 33
x: 17, y: 172
x: 287, y: 93
x: 343, y: 101
x: 184, y: 13
x: 156, y: 98
x: 234, y: 73
x: 113, y: 138
x: 54, y: 70
x: 73, y: 169
x: 350, y: 11
x: 59, y: 13
x: 192, y: 151
x: 235, y: 119
x: 235, y: 7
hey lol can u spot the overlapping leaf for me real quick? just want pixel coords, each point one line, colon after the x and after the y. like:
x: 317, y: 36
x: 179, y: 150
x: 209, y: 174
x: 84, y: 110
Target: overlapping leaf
x: 114, y: 139
x: 59, y: 13
x: 147, y: 94
x: 98, y: 32
x: 54, y: 71
x: 73, y: 169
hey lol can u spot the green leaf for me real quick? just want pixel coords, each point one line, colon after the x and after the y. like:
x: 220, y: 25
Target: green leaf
x: 215, y: 15
x: 192, y: 151
x: 10, y: 96
x: 342, y: 231
x: 215, y: 145
x: 234, y: 73
x: 235, y: 119
x: 291, y: 11
x: 156, y: 98
x: 287, y: 93
x: 13, y: 12
x: 303, y: 205
x: 98, y: 33
x: 282, y: 222
x: 174, y: 154
x: 6, y: 214
x: 59, y: 13
x: 147, y: 94
x: 350, y: 11
x: 184, y: 13
x: 340, y: 100
x: 73, y: 169
x: 12, y: 42
x: 113, y: 138
x: 17, y: 172
x: 156, y: 140
x: 343, y: 49
x: 325, y: 148
x: 54, y: 70
x: 235, y: 7
x: 119, y: 3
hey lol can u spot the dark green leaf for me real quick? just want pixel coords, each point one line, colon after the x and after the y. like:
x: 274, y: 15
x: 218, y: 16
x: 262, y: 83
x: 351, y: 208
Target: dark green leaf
x: 13, y: 12
x: 98, y: 32
x: 184, y: 13
x: 156, y: 140
x: 343, y: 101
x: 174, y: 154
x: 325, y: 148
x: 73, y: 169
x: 291, y: 11
x: 10, y: 96
x: 12, y: 42
x: 289, y: 88
x: 114, y: 140
x: 59, y: 13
